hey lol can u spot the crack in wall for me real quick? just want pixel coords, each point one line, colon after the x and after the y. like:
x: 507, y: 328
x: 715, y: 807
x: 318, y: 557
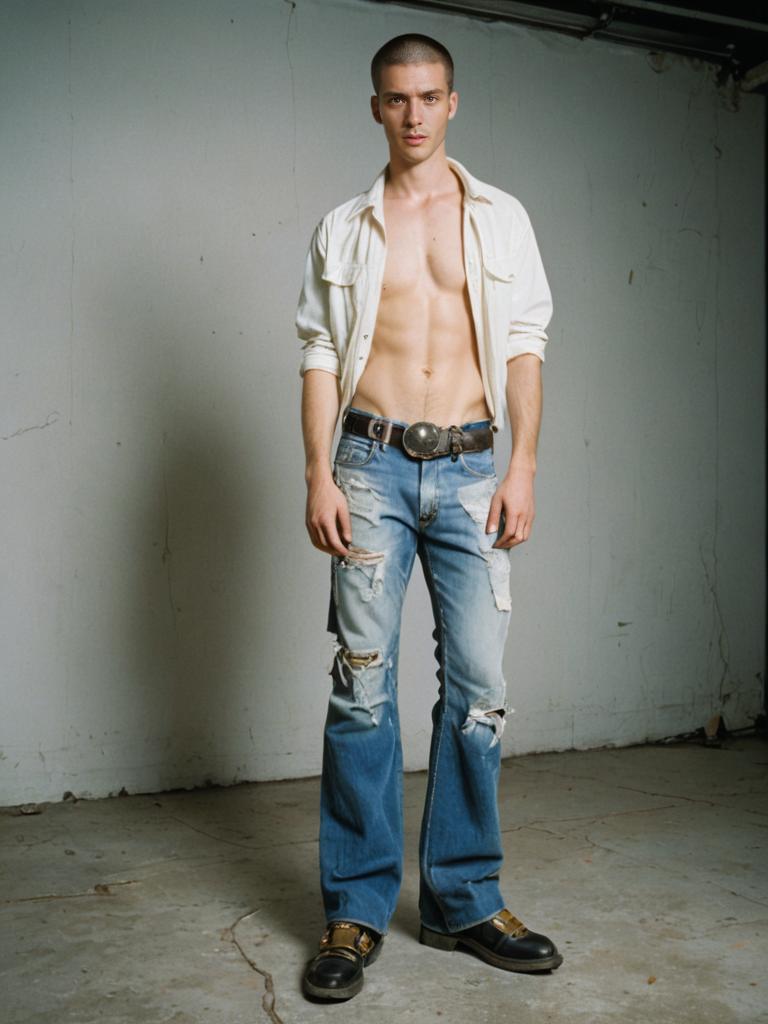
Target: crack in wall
x: 292, y: 5
x: 165, y: 556
x: 35, y: 426
x: 71, y: 223
x: 713, y: 584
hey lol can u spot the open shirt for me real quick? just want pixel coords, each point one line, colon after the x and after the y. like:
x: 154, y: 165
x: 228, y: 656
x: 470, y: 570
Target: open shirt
x: 508, y: 291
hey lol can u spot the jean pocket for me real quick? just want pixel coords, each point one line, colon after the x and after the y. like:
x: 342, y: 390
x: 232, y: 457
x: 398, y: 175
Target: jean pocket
x: 479, y: 463
x: 354, y: 450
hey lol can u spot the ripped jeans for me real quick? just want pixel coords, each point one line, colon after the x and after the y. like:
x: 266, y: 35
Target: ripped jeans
x: 437, y: 508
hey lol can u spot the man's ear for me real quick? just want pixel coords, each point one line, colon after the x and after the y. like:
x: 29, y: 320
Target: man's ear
x: 375, y: 109
x: 453, y: 103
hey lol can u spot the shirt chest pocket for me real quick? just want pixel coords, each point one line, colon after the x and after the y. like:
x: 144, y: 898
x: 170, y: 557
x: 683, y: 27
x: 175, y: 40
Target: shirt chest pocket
x: 499, y: 270
x: 501, y: 285
x: 346, y: 282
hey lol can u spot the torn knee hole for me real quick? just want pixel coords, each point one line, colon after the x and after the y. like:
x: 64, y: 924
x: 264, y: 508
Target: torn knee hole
x: 357, y: 659
x: 479, y: 714
x: 359, y: 681
x: 493, y: 718
x: 360, y: 659
x: 362, y: 556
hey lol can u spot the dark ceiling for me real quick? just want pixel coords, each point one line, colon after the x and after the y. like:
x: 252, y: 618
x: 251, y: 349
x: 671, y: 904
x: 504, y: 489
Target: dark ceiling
x: 731, y: 34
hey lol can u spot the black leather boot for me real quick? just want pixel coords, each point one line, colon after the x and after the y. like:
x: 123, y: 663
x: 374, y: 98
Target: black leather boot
x: 504, y: 941
x: 336, y: 972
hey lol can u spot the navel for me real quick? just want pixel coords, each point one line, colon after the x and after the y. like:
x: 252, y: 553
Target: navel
x: 427, y: 371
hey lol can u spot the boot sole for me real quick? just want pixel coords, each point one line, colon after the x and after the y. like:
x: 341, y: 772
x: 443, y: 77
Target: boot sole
x: 437, y: 940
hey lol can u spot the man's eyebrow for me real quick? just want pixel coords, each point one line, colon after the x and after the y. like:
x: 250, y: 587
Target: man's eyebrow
x: 427, y: 92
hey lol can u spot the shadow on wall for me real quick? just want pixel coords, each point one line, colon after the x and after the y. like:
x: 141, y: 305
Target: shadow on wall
x: 191, y: 584
x: 198, y: 636
x: 189, y: 635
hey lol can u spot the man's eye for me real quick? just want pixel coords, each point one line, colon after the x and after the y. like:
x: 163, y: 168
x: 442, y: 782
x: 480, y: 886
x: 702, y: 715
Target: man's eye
x: 430, y: 98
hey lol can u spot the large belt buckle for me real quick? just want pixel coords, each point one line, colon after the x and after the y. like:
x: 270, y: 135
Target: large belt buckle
x: 421, y: 439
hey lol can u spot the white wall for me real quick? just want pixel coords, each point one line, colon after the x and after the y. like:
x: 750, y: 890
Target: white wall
x: 163, y: 165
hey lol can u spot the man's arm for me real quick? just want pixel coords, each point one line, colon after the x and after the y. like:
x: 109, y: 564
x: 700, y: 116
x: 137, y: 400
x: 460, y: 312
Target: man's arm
x: 514, y: 495
x: 327, y: 515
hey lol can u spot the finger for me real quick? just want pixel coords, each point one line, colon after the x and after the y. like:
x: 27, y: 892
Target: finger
x: 311, y: 531
x: 505, y: 539
x: 335, y: 536
x: 494, y: 512
x: 319, y: 539
x: 345, y: 523
x: 326, y: 539
x: 521, y: 533
x: 335, y: 544
x: 314, y: 529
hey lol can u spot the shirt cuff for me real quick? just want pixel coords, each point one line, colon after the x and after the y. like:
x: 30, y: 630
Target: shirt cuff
x: 320, y: 359
x: 519, y: 344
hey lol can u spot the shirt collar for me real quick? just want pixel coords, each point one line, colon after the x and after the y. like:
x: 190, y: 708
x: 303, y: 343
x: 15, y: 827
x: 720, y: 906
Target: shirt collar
x: 474, y: 191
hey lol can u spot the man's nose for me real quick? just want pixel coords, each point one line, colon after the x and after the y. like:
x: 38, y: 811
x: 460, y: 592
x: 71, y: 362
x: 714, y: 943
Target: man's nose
x: 413, y: 115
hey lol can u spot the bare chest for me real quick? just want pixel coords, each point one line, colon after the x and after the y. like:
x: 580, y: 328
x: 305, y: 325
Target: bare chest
x: 424, y: 248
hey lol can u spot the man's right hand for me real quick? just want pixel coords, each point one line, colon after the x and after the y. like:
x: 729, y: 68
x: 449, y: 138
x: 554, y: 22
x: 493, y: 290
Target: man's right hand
x: 327, y: 516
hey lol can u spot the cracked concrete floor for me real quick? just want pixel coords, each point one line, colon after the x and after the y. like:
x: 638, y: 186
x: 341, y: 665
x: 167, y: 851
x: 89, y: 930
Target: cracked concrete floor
x: 646, y: 865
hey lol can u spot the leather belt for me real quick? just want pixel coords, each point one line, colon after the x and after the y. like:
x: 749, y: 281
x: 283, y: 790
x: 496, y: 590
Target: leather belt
x: 422, y: 440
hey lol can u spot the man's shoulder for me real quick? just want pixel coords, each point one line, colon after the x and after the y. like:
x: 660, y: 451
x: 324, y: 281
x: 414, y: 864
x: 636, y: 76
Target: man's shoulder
x: 501, y: 201
x: 494, y: 204
x: 508, y: 202
x: 343, y: 210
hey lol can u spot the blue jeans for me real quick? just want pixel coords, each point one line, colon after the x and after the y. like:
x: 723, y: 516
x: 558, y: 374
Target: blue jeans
x: 437, y: 508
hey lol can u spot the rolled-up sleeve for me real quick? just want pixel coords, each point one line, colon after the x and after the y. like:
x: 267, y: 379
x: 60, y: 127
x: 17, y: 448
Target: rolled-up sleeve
x: 313, y: 314
x: 533, y: 302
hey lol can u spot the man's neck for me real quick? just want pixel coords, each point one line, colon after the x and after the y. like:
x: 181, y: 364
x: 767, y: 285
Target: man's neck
x: 420, y: 181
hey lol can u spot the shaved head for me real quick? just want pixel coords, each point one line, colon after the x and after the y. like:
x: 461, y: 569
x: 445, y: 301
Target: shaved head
x: 411, y: 49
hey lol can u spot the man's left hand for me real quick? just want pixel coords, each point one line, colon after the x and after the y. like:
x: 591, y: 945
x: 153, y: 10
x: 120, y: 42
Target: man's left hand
x: 513, y: 499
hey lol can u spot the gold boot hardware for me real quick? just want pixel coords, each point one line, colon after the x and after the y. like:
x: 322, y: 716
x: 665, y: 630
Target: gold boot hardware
x: 344, y: 938
x: 507, y: 922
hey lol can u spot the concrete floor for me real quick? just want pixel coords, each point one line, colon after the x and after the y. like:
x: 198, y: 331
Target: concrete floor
x: 646, y: 865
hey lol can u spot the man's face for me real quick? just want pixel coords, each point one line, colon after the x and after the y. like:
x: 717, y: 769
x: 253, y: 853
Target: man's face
x: 414, y: 106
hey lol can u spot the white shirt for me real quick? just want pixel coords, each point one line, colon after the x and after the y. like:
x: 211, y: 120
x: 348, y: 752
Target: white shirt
x: 508, y: 290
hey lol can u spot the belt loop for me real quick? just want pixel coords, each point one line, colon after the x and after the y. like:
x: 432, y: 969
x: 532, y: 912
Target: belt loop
x: 455, y: 435
x: 374, y: 430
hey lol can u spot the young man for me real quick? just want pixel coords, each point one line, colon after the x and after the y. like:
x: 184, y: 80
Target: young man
x: 424, y: 306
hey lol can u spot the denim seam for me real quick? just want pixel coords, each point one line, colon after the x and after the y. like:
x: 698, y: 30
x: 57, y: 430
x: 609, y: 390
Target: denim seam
x: 395, y: 718
x: 474, y: 472
x: 352, y: 464
x: 444, y: 699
